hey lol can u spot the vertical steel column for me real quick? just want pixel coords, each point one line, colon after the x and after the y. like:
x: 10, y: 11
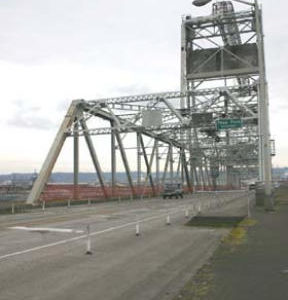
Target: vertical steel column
x: 183, y: 81
x: 266, y: 163
x: 94, y: 156
x: 207, y: 172
x: 157, y: 164
x: 179, y: 166
x: 185, y: 168
x: 113, y: 160
x: 76, y: 158
x: 166, y: 166
x: 171, y: 163
x: 125, y: 161
x: 138, y: 159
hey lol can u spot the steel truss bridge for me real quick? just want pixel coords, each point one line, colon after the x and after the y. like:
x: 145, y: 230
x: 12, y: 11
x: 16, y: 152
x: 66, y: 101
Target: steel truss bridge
x: 176, y: 135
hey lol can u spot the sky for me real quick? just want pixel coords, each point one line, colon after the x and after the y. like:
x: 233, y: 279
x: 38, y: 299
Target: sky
x: 54, y: 51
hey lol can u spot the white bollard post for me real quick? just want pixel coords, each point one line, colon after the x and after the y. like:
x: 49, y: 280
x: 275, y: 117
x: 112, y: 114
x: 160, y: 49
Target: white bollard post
x: 168, y: 221
x: 137, y: 229
x: 88, y: 245
x: 43, y: 206
x: 199, y: 208
x: 68, y: 203
x: 186, y: 213
x: 13, y: 208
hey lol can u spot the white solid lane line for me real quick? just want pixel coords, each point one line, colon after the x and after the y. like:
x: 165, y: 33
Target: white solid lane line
x: 46, y: 229
x: 81, y: 237
x: 170, y: 212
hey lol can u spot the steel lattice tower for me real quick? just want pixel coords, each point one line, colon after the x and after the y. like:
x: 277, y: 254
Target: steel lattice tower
x: 214, y: 132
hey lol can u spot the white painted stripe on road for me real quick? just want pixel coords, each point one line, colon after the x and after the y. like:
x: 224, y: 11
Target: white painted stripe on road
x: 78, y: 237
x: 179, y: 210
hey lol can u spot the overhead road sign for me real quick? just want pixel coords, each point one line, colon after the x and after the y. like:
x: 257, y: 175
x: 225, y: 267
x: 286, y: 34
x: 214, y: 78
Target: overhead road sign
x: 223, y: 124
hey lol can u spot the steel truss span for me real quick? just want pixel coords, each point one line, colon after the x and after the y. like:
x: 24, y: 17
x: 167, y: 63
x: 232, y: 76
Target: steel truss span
x: 212, y: 133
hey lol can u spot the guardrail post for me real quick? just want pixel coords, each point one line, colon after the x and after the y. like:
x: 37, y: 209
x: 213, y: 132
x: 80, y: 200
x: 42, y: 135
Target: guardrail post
x: 168, y: 221
x: 137, y: 229
x: 88, y: 245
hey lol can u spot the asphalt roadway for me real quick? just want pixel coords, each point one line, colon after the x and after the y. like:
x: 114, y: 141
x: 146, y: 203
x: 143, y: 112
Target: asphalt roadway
x: 154, y: 265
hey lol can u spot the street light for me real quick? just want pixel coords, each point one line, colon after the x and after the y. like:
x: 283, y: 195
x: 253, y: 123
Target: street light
x: 201, y: 2
x: 204, y: 2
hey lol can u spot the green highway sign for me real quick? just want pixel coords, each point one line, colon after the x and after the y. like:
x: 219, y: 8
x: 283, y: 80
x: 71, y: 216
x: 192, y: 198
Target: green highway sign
x: 222, y: 124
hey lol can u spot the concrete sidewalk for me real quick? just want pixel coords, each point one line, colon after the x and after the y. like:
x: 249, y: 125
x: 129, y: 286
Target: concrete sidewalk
x: 252, y: 266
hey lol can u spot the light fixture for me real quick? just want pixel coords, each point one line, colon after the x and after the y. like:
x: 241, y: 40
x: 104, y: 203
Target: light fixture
x: 201, y: 2
x: 204, y: 2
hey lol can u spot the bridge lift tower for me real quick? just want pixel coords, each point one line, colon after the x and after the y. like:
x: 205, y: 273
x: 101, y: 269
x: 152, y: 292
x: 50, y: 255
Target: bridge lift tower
x: 226, y: 51
x: 216, y: 129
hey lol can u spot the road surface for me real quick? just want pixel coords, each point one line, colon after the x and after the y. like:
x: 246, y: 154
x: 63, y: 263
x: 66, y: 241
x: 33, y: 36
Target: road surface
x: 154, y: 265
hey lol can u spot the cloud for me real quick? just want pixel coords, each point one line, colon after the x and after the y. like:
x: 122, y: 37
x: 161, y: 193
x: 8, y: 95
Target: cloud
x: 26, y: 121
x: 27, y: 116
x: 132, y: 89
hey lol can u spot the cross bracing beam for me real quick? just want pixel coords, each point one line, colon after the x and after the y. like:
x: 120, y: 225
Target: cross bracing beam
x: 107, y: 116
x: 118, y: 101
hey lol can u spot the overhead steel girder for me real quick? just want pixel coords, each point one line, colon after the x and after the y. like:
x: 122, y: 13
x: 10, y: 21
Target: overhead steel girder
x: 103, y: 102
x: 109, y: 117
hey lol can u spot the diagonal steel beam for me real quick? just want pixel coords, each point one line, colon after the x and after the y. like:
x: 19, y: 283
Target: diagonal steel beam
x: 94, y: 156
x: 148, y: 165
x: 125, y: 161
x: 53, y: 154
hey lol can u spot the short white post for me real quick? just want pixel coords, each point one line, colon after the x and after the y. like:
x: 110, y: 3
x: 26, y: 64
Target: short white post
x: 88, y: 245
x: 168, y: 221
x: 186, y: 213
x: 43, y: 206
x: 13, y: 208
x: 137, y: 229
x: 199, y: 208
x: 69, y: 203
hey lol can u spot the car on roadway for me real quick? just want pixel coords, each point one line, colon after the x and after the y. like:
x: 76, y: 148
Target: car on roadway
x: 172, y: 189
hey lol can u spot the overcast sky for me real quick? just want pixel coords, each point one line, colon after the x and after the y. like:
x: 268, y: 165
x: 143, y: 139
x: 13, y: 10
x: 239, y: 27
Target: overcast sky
x: 53, y: 51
